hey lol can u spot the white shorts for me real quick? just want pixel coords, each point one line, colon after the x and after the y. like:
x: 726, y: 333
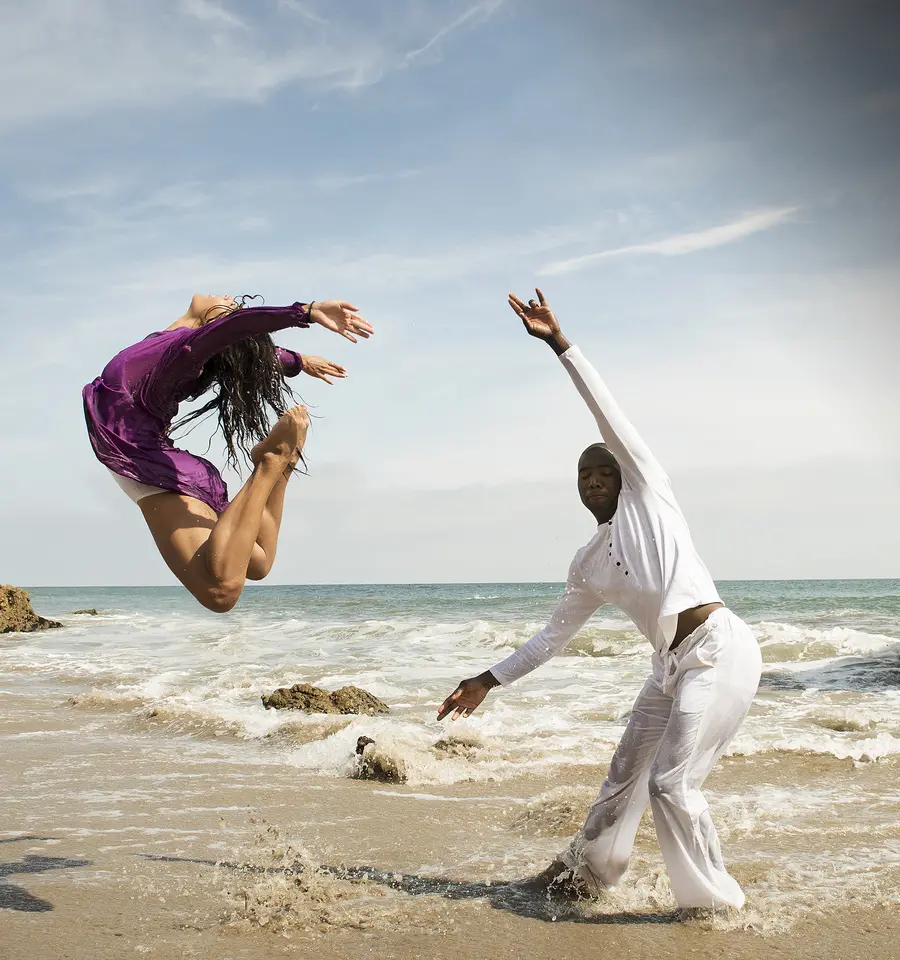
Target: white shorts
x: 136, y: 491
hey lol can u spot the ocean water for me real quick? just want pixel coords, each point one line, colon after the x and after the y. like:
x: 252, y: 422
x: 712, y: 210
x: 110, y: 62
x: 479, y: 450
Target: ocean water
x: 831, y: 683
x: 808, y: 811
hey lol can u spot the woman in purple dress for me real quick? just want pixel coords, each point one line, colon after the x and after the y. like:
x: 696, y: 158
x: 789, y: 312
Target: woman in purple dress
x: 212, y: 545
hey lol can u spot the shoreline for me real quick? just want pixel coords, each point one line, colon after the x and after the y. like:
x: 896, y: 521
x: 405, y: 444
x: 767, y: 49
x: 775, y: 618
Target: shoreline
x: 127, y: 823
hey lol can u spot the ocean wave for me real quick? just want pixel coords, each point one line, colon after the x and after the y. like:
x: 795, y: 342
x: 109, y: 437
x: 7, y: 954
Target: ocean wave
x: 883, y: 746
x: 110, y: 700
x: 847, y: 721
x: 793, y: 643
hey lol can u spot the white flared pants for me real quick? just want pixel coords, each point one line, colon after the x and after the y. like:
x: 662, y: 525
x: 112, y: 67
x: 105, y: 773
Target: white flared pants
x: 683, y: 719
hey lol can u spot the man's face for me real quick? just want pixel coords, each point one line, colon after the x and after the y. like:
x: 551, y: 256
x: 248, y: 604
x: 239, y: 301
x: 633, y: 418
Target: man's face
x: 599, y: 480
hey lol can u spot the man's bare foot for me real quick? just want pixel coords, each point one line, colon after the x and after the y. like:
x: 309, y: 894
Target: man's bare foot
x: 285, y: 440
x: 560, y: 880
x: 707, y: 914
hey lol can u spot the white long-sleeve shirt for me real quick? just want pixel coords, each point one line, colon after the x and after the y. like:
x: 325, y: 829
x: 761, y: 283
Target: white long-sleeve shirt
x: 643, y: 561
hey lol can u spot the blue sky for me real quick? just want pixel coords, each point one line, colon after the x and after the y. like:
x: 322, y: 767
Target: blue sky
x: 707, y: 193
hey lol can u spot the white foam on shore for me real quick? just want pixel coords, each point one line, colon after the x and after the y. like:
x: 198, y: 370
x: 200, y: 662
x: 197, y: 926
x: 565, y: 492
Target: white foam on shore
x: 188, y: 675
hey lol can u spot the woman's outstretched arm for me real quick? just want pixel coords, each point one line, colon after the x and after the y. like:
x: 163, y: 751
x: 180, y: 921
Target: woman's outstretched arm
x: 336, y: 315
x: 202, y: 343
x: 199, y: 344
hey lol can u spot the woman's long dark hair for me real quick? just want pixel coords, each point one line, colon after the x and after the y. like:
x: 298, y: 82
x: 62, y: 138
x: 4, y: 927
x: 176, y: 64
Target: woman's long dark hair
x: 249, y: 385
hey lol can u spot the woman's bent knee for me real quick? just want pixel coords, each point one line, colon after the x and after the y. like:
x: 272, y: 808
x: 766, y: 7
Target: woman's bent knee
x: 258, y: 570
x: 220, y: 598
x: 260, y: 566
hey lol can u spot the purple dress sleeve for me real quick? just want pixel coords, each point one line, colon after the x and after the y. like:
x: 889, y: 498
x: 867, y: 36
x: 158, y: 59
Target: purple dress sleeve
x: 206, y: 341
x: 189, y: 349
x: 291, y: 362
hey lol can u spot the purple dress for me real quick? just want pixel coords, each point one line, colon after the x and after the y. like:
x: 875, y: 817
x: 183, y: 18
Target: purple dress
x: 131, y: 405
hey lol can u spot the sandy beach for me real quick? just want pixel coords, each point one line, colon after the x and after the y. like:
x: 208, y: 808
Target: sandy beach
x: 123, y: 839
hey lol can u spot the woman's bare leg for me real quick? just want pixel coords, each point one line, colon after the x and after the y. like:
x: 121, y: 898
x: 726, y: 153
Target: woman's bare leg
x: 210, y: 555
x: 263, y: 554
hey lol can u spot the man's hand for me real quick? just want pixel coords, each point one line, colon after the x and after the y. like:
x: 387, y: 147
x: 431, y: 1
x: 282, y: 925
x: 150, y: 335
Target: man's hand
x: 322, y: 368
x: 340, y: 317
x: 540, y: 321
x: 467, y: 697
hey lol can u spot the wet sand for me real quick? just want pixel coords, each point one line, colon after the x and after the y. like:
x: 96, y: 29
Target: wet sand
x: 120, y: 839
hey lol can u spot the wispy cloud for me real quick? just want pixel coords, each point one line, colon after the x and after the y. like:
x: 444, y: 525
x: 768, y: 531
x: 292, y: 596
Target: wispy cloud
x: 209, y: 11
x: 67, y: 59
x: 338, y: 182
x: 681, y: 243
x: 475, y: 14
x: 302, y: 9
x: 101, y: 249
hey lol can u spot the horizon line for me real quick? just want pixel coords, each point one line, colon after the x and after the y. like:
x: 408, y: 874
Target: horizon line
x: 427, y: 583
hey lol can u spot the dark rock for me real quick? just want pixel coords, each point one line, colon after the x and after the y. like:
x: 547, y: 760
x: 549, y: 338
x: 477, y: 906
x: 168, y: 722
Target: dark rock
x: 309, y: 699
x: 356, y: 700
x: 16, y: 614
x: 375, y: 763
x: 301, y: 696
x: 91, y: 612
x: 463, y: 745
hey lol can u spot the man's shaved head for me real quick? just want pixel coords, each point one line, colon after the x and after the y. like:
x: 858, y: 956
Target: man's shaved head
x: 599, y: 454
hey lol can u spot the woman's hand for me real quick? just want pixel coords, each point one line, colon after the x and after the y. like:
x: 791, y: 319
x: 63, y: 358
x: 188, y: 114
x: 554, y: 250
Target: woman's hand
x: 322, y: 368
x: 466, y: 698
x: 340, y: 317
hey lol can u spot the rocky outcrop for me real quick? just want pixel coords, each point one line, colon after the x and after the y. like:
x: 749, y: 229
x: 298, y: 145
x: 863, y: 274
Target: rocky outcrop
x: 309, y: 699
x: 357, y: 700
x: 16, y: 614
x: 91, y: 612
x: 375, y: 763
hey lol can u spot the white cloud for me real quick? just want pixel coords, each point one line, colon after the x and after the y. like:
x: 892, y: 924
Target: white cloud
x: 681, y: 243
x: 64, y: 58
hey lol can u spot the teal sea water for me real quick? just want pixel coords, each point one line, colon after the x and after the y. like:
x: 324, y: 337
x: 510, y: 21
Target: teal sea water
x: 866, y: 605
x: 831, y: 651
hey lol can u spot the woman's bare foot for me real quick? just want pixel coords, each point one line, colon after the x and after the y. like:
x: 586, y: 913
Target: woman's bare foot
x: 285, y: 440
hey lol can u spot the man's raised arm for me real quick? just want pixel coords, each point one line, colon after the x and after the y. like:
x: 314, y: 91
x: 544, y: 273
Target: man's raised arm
x: 633, y: 455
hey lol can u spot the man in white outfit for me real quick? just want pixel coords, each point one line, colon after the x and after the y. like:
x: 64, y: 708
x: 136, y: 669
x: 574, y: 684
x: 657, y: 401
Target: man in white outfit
x: 705, y: 665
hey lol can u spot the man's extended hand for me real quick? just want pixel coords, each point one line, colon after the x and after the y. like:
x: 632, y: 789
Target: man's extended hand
x: 466, y: 698
x: 539, y: 321
x: 538, y: 317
